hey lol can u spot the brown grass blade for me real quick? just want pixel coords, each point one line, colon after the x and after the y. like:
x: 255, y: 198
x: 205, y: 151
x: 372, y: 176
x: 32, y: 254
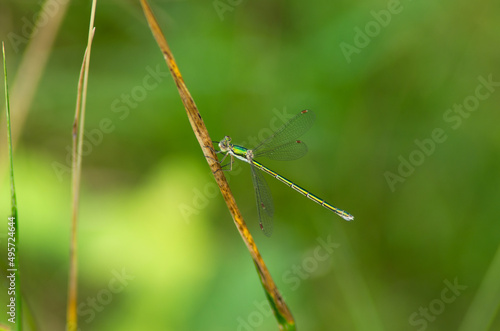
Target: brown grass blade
x: 280, y: 309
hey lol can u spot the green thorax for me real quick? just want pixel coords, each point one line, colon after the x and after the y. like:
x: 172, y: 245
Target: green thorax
x: 240, y: 150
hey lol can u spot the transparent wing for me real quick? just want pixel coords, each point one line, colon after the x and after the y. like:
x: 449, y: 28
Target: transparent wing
x: 265, y: 207
x: 287, y: 133
x: 290, y: 151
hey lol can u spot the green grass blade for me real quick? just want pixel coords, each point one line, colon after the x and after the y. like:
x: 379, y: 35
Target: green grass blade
x: 13, y: 235
x: 486, y: 303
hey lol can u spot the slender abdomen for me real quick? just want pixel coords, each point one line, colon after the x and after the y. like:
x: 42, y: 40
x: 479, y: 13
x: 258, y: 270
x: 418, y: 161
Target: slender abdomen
x: 318, y: 200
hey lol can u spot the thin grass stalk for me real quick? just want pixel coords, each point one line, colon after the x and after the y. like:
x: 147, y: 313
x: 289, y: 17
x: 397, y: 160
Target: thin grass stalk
x: 31, y: 67
x: 77, y: 141
x: 278, y: 305
x: 72, y: 318
x: 14, y: 219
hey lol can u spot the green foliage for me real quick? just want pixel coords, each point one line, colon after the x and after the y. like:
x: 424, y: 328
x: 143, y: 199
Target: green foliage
x: 151, y: 206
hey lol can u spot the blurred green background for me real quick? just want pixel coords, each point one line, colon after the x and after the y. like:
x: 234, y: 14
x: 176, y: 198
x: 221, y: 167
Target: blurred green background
x: 157, y: 247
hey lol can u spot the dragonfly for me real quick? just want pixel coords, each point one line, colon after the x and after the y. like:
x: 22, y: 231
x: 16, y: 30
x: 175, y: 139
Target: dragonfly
x: 282, y: 145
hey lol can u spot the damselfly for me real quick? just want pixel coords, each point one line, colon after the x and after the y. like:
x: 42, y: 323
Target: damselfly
x: 281, y: 145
